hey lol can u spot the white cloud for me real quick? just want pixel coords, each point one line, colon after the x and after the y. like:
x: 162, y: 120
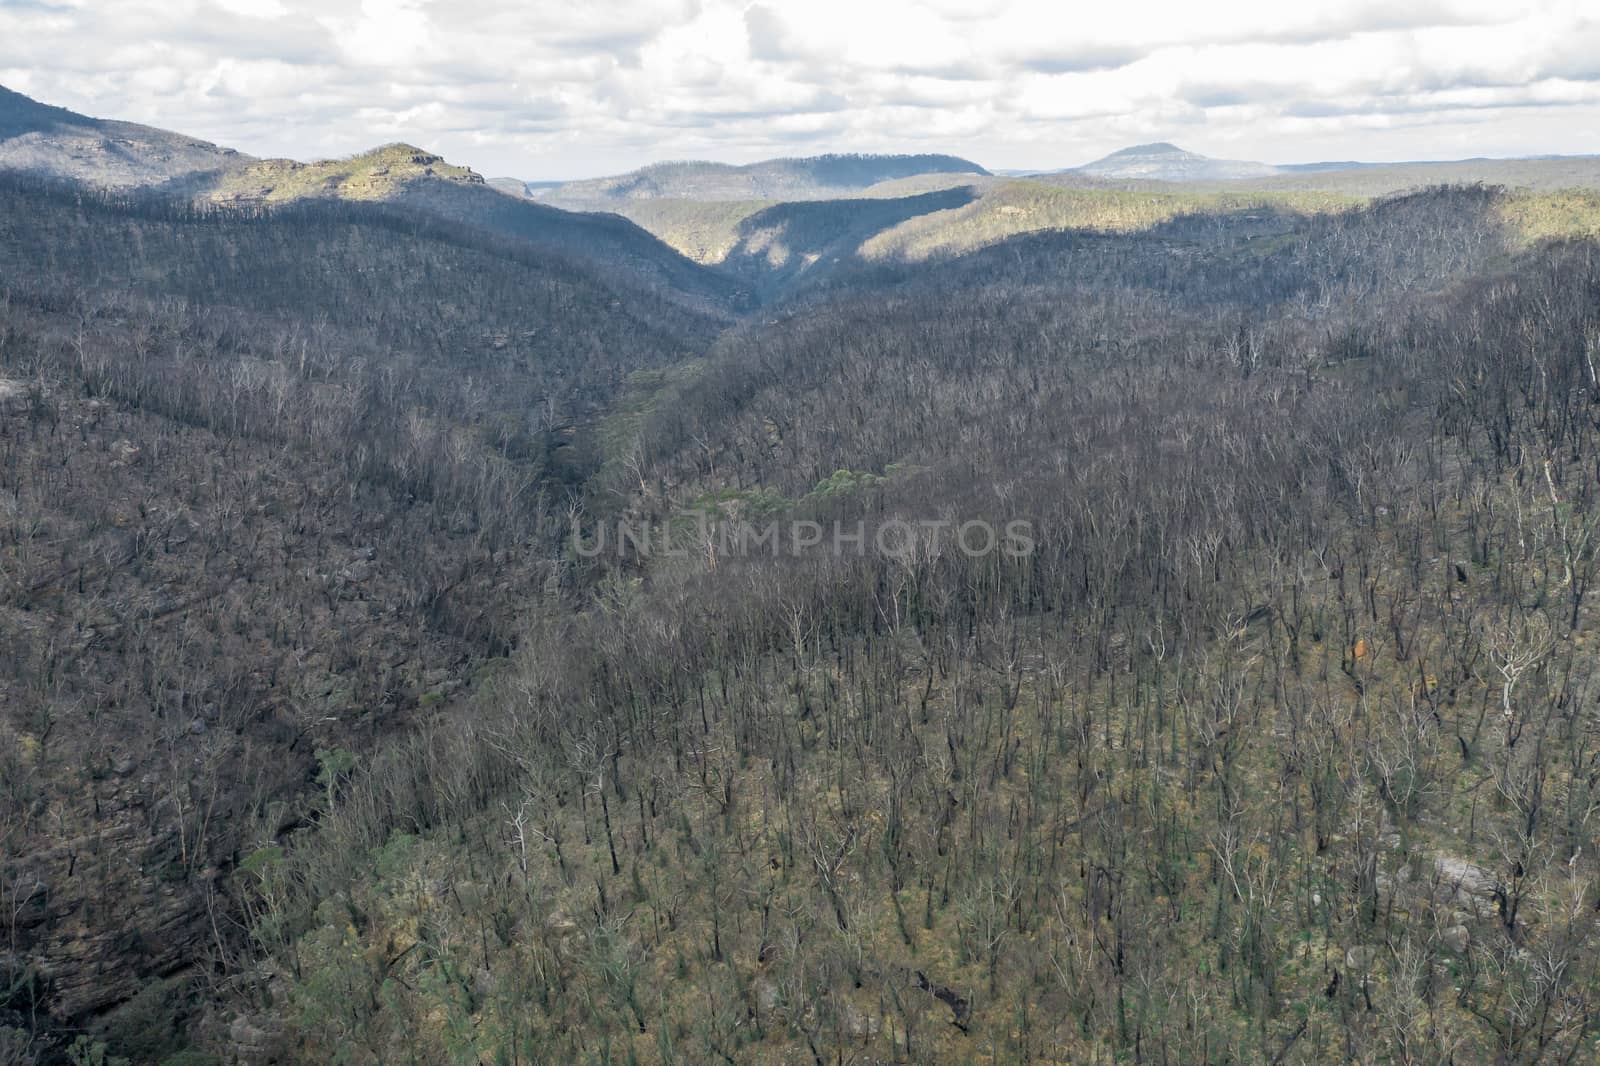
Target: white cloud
x: 261, y: 9
x: 542, y: 88
x: 384, y: 33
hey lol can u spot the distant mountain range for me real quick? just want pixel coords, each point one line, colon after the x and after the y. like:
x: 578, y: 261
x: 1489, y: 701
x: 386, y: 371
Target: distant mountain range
x: 651, y: 192
x: 1168, y: 162
x: 52, y: 140
x: 42, y: 138
x: 823, y: 177
x: 718, y: 235
x: 1162, y: 164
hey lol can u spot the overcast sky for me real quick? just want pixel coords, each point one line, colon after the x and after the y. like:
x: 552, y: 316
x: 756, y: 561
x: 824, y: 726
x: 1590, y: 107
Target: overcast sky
x: 570, y: 88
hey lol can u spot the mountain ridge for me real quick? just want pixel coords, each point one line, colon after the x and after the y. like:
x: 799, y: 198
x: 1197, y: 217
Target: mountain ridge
x: 53, y: 140
x: 1164, y: 161
x: 819, y: 177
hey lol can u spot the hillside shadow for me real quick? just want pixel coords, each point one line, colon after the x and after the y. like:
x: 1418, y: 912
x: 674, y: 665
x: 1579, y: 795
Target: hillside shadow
x: 779, y: 245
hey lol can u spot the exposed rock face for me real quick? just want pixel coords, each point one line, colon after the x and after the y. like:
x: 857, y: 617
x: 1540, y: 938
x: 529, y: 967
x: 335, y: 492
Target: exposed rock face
x: 565, y: 935
x: 1360, y: 956
x: 767, y: 997
x: 1389, y: 885
x: 858, y: 1023
x: 254, y: 1041
x: 1461, y: 880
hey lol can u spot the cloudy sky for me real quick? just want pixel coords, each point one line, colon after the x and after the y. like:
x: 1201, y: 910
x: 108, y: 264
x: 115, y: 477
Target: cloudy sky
x: 571, y: 88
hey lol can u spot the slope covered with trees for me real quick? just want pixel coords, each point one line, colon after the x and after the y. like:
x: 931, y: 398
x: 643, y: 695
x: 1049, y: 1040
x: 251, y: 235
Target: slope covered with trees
x: 1276, y: 748
x: 323, y: 740
x: 273, y: 485
x: 141, y: 162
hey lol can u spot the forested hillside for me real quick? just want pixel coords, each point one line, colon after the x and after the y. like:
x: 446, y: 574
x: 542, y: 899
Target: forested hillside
x: 332, y: 732
x: 1276, y: 748
x: 147, y: 164
x: 421, y: 186
x: 273, y: 487
x: 776, y: 247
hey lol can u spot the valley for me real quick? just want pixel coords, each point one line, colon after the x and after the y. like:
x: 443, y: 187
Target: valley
x: 323, y: 740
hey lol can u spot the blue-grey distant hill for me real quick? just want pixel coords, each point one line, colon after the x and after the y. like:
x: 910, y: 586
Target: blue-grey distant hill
x: 1168, y: 162
x: 821, y: 177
